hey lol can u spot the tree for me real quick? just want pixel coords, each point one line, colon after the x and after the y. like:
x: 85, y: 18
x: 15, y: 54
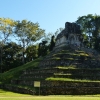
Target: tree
x: 90, y: 25
x: 27, y: 33
x: 96, y: 32
x: 10, y: 59
x: 31, y: 52
x: 47, y: 37
x: 6, y: 29
x: 52, y: 43
x: 43, y: 49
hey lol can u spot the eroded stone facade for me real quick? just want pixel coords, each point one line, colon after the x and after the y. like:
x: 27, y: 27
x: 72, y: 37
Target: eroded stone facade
x: 70, y: 35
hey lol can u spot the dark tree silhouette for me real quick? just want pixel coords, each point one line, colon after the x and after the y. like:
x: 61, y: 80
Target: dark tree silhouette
x: 52, y: 43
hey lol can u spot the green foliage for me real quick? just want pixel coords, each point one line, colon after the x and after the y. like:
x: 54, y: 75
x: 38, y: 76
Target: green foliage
x: 6, y: 29
x: 9, y: 57
x: 90, y: 26
x: 27, y: 32
x: 52, y: 43
x: 31, y: 52
x: 43, y: 49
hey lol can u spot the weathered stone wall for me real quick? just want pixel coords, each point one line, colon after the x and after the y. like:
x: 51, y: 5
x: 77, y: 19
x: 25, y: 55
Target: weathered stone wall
x: 70, y: 35
x: 18, y: 89
x: 63, y: 88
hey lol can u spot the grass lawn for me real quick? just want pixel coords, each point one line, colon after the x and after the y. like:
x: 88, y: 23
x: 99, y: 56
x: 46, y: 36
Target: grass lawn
x: 6, y: 95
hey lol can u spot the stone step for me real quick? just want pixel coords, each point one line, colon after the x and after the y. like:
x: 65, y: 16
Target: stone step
x: 66, y: 84
x: 69, y: 84
x: 70, y: 90
x: 62, y: 70
x: 82, y: 77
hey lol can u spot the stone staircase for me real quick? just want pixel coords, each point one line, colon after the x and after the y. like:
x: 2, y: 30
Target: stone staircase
x: 66, y: 71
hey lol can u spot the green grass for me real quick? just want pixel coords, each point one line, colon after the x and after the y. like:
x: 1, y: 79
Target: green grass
x: 79, y: 51
x: 74, y: 67
x: 84, y: 54
x: 61, y: 74
x: 6, y: 95
x: 69, y: 79
x: 66, y: 67
x: 16, y: 72
x: 51, y: 98
x: 56, y: 58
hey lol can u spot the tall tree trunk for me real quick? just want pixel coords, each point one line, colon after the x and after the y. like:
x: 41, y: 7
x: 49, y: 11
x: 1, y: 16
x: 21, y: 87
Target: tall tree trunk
x: 23, y: 53
x: 1, y: 59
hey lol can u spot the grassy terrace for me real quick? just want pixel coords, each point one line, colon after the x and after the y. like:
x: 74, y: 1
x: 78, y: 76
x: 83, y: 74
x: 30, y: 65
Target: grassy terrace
x: 69, y: 79
x: 68, y: 55
x: 16, y: 72
x: 72, y: 54
x: 74, y: 67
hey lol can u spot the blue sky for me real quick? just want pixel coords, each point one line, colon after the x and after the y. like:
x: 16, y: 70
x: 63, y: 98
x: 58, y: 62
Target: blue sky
x: 50, y: 14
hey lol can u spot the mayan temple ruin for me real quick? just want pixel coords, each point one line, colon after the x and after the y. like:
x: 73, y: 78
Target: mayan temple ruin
x: 69, y: 69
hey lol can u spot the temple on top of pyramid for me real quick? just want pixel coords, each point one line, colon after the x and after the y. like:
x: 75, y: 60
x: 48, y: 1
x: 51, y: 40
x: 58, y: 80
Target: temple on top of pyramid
x: 71, y: 35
